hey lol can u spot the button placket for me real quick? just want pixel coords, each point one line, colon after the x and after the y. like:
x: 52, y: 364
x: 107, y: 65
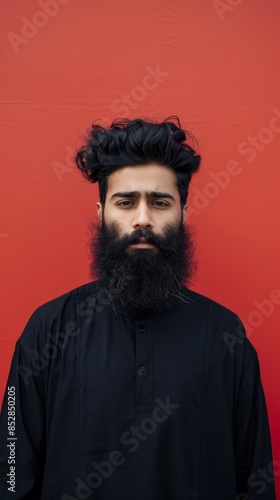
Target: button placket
x: 142, y: 327
x: 144, y: 366
x: 143, y: 371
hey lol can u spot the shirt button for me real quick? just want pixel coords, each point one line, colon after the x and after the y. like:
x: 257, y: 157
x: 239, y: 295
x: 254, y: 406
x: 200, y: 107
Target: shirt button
x: 143, y: 371
x: 142, y: 328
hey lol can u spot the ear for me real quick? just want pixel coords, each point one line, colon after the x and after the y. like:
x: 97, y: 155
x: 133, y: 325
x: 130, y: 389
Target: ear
x: 184, y: 213
x: 99, y: 209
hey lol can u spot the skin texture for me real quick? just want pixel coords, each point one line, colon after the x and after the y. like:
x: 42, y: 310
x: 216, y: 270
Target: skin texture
x: 142, y: 211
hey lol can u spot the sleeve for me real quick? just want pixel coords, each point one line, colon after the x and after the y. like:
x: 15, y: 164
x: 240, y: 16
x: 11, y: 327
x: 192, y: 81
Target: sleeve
x: 252, y: 440
x: 22, y: 423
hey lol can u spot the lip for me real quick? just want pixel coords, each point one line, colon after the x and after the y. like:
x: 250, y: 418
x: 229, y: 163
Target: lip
x: 142, y: 243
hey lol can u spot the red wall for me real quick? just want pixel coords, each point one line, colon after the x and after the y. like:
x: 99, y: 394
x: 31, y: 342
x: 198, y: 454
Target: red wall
x: 215, y: 64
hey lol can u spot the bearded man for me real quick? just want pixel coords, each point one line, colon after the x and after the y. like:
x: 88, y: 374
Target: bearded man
x: 133, y: 385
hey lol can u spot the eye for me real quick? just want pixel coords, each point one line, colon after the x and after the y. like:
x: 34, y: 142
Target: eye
x: 121, y: 203
x: 163, y: 203
x: 158, y: 202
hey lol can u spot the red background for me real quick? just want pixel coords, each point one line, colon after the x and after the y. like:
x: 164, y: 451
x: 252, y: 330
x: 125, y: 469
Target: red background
x: 66, y: 64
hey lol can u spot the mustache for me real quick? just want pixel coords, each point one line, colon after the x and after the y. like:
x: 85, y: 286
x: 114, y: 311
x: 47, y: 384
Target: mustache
x: 152, y: 276
x: 167, y: 241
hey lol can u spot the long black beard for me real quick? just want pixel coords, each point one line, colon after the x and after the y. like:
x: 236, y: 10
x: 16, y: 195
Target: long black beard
x: 141, y: 279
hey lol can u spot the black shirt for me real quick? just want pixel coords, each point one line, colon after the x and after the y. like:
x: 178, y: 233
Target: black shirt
x: 114, y: 404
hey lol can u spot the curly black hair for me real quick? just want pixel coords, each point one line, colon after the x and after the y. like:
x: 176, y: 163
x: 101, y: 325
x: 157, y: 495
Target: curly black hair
x: 137, y: 142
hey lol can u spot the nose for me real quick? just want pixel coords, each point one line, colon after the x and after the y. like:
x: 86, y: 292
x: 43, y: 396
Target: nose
x: 142, y: 218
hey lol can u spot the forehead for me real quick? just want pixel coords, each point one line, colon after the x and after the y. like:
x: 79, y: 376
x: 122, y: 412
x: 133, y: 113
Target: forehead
x: 143, y: 178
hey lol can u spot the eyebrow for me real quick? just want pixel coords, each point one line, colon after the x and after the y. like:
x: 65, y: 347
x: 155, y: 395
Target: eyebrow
x: 136, y: 194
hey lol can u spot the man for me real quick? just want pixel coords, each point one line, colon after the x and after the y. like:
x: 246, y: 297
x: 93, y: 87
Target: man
x: 134, y: 386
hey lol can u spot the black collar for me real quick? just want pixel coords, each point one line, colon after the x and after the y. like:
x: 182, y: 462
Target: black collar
x: 173, y: 303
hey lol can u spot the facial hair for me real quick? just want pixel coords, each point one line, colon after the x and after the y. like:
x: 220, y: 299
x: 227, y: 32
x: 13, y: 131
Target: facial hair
x: 143, y: 278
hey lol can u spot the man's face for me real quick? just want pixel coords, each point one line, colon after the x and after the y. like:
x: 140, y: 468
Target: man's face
x: 142, y: 197
x: 141, y: 201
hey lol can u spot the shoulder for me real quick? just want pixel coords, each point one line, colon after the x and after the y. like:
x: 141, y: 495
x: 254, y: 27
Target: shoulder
x: 214, y: 310
x: 223, y: 323
x: 57, y: 303
x: 54, y: 313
